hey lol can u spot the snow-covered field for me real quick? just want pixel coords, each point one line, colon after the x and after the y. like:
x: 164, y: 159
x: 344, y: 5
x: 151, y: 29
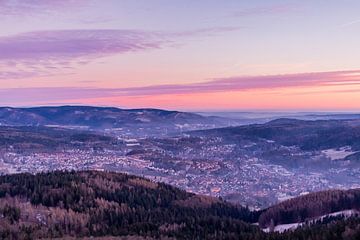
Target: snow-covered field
x: 335, y: 154
x: 284, y: 227
x: 292, y: 226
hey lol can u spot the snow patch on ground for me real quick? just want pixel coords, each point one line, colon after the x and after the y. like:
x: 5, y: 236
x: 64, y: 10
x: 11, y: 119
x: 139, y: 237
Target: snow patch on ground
x: 143, y: 119
x: 284, y: 227
x: 292, y: 226
x: 336, y: 154
x: 345, y: 213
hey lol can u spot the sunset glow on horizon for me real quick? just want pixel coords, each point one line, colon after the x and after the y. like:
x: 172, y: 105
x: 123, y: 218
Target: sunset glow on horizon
x: 184, y: 55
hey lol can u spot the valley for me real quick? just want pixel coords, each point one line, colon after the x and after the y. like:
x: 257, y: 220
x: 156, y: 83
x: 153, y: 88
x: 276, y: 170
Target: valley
x: 254, y: 165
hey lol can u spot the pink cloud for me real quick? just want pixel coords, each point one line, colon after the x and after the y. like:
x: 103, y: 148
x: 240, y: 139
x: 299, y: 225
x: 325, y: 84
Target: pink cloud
x: 249, y: 83
x: 242, y: 83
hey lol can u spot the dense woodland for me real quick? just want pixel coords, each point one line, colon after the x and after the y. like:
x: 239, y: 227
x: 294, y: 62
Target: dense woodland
x: 48, y: 139
x: 103, y: 204
x: 99, y: 203
x: 310, y: 206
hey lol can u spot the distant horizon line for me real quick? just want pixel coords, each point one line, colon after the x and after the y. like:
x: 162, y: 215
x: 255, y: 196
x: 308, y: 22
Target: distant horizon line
x: 294, y: 111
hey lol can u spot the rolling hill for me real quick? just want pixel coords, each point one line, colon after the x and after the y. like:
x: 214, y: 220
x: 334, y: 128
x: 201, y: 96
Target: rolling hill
x: 90, y: 203
x: 127, y: 121
x: 48, y: 139
x: 308, y: 135
x: 105, y: 205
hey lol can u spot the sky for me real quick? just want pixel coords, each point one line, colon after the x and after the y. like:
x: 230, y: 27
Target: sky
x: 204, y: 55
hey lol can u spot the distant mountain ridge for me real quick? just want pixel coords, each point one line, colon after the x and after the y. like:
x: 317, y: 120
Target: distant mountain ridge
x: 88, y: 116
x: 151, y: 121
x: 101, y: 118
x: 306, y: 134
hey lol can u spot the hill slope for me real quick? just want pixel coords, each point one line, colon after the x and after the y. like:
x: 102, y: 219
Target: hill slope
x: 102, y: 204
x: 310, y: 206
x: 94, y: 203
x: 308, y: 135
x: 152, y: 121
x: 23, y: 138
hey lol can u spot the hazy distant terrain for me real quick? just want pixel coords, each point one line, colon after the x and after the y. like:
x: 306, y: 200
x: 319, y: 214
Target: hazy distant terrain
x: 275, y: 168
x: 255, y: 165
x: 266, y: 116
x: 124, y: 122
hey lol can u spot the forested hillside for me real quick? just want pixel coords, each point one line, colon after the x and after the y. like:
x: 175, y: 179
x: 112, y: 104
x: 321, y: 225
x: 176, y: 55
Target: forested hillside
x: 310, y: 206
x: 103, y: 205
x: 93, y: 203
x: 49, y: 139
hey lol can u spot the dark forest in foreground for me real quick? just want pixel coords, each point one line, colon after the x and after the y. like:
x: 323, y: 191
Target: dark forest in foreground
x: 91, y: 203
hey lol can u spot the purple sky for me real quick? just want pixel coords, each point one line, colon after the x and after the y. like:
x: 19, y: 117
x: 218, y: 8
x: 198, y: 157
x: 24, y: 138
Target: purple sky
x: 160, y: 54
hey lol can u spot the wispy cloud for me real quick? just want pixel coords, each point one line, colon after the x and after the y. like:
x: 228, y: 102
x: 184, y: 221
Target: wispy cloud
x: 70, y: 44
x: 19, y: 74
x: 29, y: 7
x: 48, y: 53
x: 241, y: 83
x: 265, y: 10
x: 57, y: 52
x: 351, y: 23
x: 44, y: 52
x: 74, y: 44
